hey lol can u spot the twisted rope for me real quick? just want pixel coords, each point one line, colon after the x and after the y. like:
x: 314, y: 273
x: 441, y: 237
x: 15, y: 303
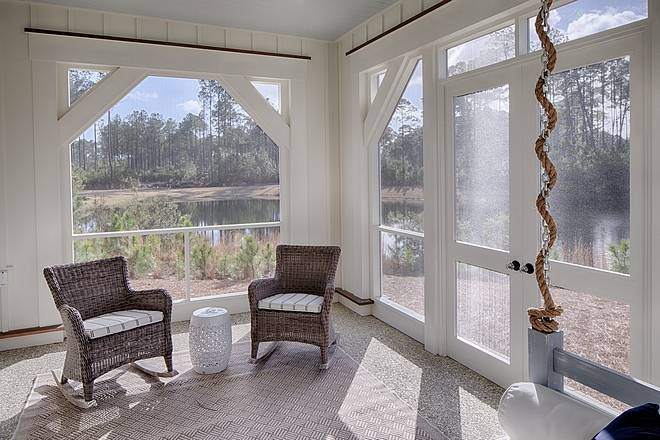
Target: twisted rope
x: 542, y: 319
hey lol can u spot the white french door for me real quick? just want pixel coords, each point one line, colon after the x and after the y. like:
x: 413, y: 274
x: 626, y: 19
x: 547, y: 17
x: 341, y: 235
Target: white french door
x: 487, y: 248
x: 491, y: 231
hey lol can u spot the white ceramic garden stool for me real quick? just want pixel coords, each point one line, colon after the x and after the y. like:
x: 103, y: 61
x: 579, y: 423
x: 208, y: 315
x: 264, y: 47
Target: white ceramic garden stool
x: 210, y: 340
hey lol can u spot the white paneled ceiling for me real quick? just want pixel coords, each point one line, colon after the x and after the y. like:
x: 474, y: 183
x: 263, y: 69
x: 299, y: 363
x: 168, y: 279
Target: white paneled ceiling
x: 319, y: 19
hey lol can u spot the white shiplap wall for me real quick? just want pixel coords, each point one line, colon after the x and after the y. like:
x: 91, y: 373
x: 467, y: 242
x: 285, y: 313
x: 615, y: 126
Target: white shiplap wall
x: 127, y: 26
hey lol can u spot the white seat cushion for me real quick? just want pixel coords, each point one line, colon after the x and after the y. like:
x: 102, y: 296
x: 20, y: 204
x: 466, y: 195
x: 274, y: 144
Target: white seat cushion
x: 116, y: 322
x: 293, y: 302
x: 531, y: 411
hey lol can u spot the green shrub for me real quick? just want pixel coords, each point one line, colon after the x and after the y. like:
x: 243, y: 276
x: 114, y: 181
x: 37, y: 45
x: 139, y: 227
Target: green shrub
x: 202, y: 258
x: 620, y: 254
x: 247, y: 257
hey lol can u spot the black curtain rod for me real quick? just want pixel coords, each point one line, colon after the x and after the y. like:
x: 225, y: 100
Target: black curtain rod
x: 398, y: 26
x: 163, y: 43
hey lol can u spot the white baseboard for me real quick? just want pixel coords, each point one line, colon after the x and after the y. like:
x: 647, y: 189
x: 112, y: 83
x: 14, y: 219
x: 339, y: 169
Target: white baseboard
x: 31, y: 340
x: 364, y: 310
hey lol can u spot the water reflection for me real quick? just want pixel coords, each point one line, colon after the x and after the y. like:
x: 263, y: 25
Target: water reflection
x: 403, y: 214
x: 229, y: 212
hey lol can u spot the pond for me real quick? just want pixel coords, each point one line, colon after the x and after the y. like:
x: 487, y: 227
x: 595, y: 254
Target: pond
x: 229, y: 212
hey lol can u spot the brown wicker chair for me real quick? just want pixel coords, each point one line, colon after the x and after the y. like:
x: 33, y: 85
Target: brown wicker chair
x: 86, y: 290
x: 300, y: 270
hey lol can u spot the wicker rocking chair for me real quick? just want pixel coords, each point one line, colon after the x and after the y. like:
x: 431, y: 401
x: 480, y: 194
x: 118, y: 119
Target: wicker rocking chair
x: 107, y: 323
x: 295, y: 305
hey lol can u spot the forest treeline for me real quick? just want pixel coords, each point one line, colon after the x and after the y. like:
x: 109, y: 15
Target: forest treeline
x: 220, y: 146
x: 401, y: 148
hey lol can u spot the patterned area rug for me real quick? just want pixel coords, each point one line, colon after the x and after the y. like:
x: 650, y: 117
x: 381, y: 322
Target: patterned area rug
x: 284, y: 397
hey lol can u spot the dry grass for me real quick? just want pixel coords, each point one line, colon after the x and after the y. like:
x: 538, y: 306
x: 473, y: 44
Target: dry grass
x: 204, y: 194
x: 405, y: 291
x: 597, y: 329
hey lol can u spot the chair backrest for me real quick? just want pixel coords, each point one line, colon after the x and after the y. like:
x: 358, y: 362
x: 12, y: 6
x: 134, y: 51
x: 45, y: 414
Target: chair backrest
x: 92, y: 287
x: 305, y: 269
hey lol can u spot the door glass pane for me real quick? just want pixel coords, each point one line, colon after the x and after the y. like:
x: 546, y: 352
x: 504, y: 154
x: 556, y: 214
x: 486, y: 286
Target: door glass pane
x: 481, y: 168
x: 482, y: 308
x: 591, y: 149
x: 581, y: 312
x: 402, y: 262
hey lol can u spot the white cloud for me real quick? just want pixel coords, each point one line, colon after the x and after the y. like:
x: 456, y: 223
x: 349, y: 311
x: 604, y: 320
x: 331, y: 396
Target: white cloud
x: 592, y: 23
x: 143, y: 96
x: 456, y: 54
x: 190, y: 106
x: 554, y: 18
x: 270, y: 92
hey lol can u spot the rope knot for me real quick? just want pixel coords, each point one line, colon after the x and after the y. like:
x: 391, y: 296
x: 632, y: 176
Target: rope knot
x: 543, y: 319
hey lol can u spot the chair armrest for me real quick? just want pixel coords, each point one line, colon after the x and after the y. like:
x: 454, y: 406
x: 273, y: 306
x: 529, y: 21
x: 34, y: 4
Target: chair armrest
x: 152, y: 299
x: 529, y: 410
x: 329, y: 295
x: 260, y: 289
x: 75, y: 329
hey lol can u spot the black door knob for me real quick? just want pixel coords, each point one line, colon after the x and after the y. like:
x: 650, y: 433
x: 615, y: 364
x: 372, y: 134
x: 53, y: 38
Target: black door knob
x: 527, y: 268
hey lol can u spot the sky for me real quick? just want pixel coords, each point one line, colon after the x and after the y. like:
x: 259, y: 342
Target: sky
x: 414, y: 91
x: 174, y: 97
x: 587, y: 17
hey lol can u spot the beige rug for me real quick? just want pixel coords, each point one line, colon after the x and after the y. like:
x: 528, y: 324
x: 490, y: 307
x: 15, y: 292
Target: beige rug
x: 285, y: 397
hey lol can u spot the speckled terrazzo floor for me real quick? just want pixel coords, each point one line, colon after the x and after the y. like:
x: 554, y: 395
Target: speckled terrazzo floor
x: 462, y: 404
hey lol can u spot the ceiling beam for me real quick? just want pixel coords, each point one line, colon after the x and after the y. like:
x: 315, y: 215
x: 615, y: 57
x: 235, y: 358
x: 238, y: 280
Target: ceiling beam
x: 163, y: 43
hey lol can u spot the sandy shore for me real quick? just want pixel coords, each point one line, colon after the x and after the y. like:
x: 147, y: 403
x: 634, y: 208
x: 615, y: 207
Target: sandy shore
x: 114, y: 196
x: 411, y: 193
x: 272, y: 192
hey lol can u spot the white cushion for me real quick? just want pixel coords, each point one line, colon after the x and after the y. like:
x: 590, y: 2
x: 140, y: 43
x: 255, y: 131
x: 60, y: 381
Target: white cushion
x: 532, y: 411
x: 116, y: 322
x: 293, y: 302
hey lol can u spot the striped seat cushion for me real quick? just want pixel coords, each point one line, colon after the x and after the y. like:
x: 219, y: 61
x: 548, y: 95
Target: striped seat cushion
x: 293, y: 302
x: 116, y: 322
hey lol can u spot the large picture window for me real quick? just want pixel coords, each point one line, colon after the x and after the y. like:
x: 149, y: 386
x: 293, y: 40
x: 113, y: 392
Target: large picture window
x: 181, y: 159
